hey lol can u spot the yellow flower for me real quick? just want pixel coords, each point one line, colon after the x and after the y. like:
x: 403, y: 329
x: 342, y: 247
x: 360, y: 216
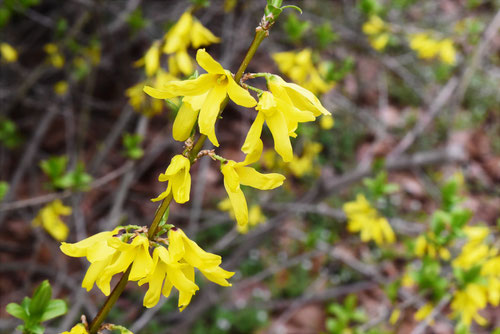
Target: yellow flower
x: 135, y: 253
x: 423, y: 312
x: 152, y: 59
x: 8, y: 52
x: 304, y: 165
x: 407, y: 281
x: 180, y: 275
x: 278, y: 114
x: 255, y: 215
x: 99, y: 254
x: 326, y: 122
x: 217, y: 84
x: 175, y: 268
x: 186, y: 116
x: 428, y: 48
x: 362, y: 217
x: 78, y: 329
x: 375, y: 25
x: 425, y: 245
x: 61, y: 87
x: 394, y: 316
x: 140, y: 102
x: 474, y: 251
x: 180, y: 62
x: 179, y: 180
x: 237, y: 173
x: 188, y: 30
x: 466, y: 304
x: 49, y: 218
x: 380, y: 42
x: 447, y: 51
x: 55, y: 56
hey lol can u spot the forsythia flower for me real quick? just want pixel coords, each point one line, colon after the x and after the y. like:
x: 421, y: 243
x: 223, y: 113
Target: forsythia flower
x: 376, y: 29
x: 151, y: 60
x: 237, y: 173
x: 466, y: 303
x: 425, y: 245
x: 300, y: 68
x: 255, y: 215
x: 326, y: 122
x: 362, y: 217
x: 303, y: 165
x: 428, y: 48
x: 141, y: 102
x: 187, y: 31
x: 175, y: 267
x: 179, y: 180
x: 99, y: 254
x: 49, y: 218
x: 55, y: 56
x: 78, y: 329
x: 8, y: 53
x: 61, y: 87
x: 218, y: 83
x: 423, y: 312
x: 474, y: 251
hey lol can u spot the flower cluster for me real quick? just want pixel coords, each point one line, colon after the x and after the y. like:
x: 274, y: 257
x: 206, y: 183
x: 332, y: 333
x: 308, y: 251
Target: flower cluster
x: 299, y: 66
x: 49, y: 218
x: 282, y: 108
x: 378, y: 32
x: 428, y: 48
x: 187, y: 32
x: 8, y: 53
x: 162, y: 264
x: 363, y: 218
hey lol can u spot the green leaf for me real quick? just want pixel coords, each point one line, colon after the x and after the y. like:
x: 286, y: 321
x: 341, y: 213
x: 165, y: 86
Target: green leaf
x: 54, y: 167
x: 17, y: 311
x: 4, y: 188
x: 54, y: 309
x: 40, y: 300
x: 295, y: 28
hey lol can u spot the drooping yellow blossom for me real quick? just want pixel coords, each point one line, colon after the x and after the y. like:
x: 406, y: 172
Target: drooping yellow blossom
x: 237, y: 173
x: 61, y: 87
x: 362, y: 217
x: 407, y: 281
x: 466, y: 304
x: 395, y: 315
x: 255, y: 215
x: 175, y: 268
x: 326, y: 122
x: 187, y: 31
x: 426, y: 245
x: 181, y: 62
x: 186, y: 116
x: 299, y: 67
x: 142, y: 103
x: 304, y: 165
x: 78, y: 329
x: 100, y: 255
x: 8, y: 53
x: 49, y: 218
x: 278, y: 114
x: 424, y: 311
x: 428, y: 48
x: 218, y: 83
x: 378, y: 32
x: 55, y: 56
x: 179, y: 180
x: 474, y: 252
x: 151, y: 60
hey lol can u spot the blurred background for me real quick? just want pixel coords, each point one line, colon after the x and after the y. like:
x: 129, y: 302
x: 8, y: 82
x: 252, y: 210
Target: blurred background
x: 413, y: 87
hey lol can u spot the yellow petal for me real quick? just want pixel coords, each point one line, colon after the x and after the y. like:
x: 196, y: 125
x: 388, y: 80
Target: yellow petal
x: 210, y: 111
x: 230, y: 176
x: 201, y: 36
x: 208, y: 63
x: 152, y: 59
x: 184, y: 122
x: 250, y: 177
x: 238, y: 94
x: 142, y: 262
x: 184, y: 62
x: 158, y: 93
x: 253, y: 136
x: 238, y: 202
x: 277, y: 124
x: 217, y: 275
x: 253, y: 155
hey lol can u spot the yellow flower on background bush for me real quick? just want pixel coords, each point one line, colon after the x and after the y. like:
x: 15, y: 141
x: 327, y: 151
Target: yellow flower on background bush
x: 429, y: 48
x: 174, y: 267
x: 78, y: 329
x: 218, y: 83
x: 49, y: 218
x: 467, y: 302
x: 299, y: 66
x: 55, y: 57
x: 151, y: 59
x: 8, y: 53
x: 304, y: 165
x: 179, y: 180
x: 377, y: 31
x: 424, y: 311
x: 426, y: 245
x: 363, y: 218
x: 474, y: 252
x: 237, y: 173
x: 326, y: 122
x: 255, y: 215
x: 61, y: 87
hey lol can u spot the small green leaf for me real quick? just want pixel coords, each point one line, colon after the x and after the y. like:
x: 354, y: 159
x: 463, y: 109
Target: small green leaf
x: 54, y: 309
x: 292, y: 6
x: 17, y: 311
x: 4, y: 188
x: 40, y: 300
